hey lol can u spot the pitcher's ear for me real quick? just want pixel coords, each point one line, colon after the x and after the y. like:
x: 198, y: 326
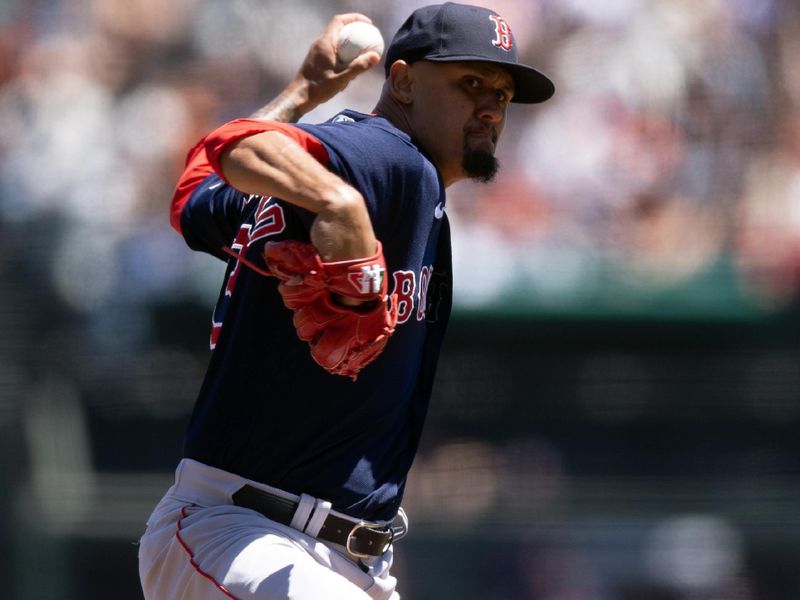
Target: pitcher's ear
x: 401, y: 81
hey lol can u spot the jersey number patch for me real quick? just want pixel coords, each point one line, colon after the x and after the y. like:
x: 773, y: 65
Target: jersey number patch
x: 269, y: 221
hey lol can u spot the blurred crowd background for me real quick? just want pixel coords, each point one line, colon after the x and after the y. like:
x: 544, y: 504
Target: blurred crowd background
x: 616, y: 416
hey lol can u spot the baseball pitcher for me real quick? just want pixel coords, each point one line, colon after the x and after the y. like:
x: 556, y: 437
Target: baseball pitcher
x: 331, y: 315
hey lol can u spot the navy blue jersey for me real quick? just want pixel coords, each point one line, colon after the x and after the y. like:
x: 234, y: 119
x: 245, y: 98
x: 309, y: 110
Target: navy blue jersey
x: 266, y: 410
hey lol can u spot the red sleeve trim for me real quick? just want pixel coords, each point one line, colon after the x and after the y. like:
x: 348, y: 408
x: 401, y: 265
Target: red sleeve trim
x: 203, y: 158
x: 219, y: 139
x: 195, y: 171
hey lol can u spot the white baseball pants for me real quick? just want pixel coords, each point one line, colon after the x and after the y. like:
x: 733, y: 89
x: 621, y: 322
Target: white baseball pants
x: 199, y: 546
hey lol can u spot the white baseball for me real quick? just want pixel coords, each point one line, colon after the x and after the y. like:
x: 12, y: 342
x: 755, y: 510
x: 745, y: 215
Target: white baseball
x: 357, y: 38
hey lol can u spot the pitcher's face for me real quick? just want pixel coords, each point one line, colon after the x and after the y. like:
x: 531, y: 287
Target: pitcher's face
x: 458, y: 114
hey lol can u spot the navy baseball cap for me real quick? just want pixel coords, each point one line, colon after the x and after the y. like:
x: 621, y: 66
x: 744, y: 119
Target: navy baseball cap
x: 453, y: 32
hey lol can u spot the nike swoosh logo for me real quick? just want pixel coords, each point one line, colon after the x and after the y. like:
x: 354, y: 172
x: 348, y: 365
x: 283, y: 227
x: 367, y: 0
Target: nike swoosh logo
x: 216, y: 185
x: 439, y: 211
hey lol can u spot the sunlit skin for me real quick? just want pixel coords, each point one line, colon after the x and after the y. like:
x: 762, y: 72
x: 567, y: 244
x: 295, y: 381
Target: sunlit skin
x: 448, y: 107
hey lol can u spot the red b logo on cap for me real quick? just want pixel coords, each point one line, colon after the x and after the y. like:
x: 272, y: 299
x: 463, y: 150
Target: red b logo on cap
x: 503, y: 32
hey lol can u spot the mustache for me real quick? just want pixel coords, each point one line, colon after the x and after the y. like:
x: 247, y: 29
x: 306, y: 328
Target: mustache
x: 482, y: 130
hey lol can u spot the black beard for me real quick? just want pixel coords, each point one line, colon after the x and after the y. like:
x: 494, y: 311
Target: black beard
x: 479, y: 165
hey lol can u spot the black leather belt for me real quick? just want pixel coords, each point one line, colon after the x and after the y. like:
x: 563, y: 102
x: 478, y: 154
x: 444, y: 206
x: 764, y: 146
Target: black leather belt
x: 361, y: 538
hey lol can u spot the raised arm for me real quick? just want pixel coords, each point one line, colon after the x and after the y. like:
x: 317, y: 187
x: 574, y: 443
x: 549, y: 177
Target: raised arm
x: 271, y: 164
x: 319, y: 78
x: 342, y: 229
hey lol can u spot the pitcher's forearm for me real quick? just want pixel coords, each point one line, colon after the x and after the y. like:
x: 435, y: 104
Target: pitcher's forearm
x: 289, y: 106
x: 272, y: 164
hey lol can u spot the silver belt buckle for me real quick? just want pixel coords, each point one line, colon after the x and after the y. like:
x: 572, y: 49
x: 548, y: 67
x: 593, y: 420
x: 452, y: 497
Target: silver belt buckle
x: 365, y: 525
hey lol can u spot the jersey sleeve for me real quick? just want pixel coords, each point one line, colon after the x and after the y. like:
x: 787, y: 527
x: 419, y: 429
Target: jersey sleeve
x: 211, y: 215
x: 205, y: 209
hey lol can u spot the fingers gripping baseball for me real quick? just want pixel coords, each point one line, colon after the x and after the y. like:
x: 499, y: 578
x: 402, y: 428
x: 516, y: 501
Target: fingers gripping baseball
x: 356, y: 39
x: 325, y: 71
x: 343, y: 339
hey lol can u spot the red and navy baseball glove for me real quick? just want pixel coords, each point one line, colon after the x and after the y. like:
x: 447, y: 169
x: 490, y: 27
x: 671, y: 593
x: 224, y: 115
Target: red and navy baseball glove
x: 343, y: 339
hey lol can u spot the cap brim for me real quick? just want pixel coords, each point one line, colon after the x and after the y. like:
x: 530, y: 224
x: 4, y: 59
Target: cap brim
x: 530, y: 86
